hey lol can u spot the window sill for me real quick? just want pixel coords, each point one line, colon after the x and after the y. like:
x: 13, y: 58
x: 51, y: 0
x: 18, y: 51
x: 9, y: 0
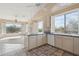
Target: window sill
x: 65, y: 34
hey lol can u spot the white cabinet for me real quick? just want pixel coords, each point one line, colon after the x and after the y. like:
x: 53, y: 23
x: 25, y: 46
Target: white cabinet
x: 32, y: 42
x: 51, y: 39
x: 44, y: 39
x: 76, y: 46
x: 26, y: 42
x: 68, y: 43
x: 36, y: 40
x: 64, y: 42
x: 58, y: 41
x: 39, y: 40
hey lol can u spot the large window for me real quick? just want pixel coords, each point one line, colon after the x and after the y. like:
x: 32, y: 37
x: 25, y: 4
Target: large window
x: 67, y: 23
x: 40, y: 27
x: 13, y: 28
x: 72, y: 22
x: 59, y: 23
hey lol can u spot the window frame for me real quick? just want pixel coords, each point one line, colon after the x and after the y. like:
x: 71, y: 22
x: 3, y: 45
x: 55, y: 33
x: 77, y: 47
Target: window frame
x: 65, y: 13
x: 66, y: 19
x: 63, y: 23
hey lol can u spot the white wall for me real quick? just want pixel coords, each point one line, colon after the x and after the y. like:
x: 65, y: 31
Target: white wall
x: 52, y: 24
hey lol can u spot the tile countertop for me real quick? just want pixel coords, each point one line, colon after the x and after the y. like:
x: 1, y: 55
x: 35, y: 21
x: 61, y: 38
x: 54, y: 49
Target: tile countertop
x: 65, y: 34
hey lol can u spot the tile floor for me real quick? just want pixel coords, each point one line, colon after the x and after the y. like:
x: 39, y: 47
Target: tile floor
x: 48, y: 50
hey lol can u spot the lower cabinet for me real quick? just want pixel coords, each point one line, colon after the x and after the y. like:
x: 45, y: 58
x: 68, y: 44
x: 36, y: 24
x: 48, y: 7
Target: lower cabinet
x: 68, y: 43
x: 32, y: 42
x: 39, y: 40
x: 64, y: 42
x: 44, y: 39
x: 58, y: 41
x: 50, y: 39
x: 26, y: 42
x: 76, y: 46
x: 36, y: 40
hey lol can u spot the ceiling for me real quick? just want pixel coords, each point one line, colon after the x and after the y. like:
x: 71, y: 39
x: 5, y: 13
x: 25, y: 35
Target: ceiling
x: 19, y: 11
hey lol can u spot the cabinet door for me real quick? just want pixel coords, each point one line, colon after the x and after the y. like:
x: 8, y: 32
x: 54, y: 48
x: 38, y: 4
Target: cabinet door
x: 26, y: 42
x: 76, y: 46
x: 68, y: 43
x: 51, y: 40
x: 44, y: 39
x: 32, y: 42
x: 58, y: 41
x: 39, y: 40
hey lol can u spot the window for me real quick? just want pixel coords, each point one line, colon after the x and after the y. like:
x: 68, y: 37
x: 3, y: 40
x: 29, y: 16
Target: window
x: 68, y: 23
x: 72, y: 20
x: 40, y: 27
x: 13, y: 28
x: 59, y: 24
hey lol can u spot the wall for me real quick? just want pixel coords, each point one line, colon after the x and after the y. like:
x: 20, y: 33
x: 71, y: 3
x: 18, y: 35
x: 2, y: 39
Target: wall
x: 34, y: 28
x: 47, y: 24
